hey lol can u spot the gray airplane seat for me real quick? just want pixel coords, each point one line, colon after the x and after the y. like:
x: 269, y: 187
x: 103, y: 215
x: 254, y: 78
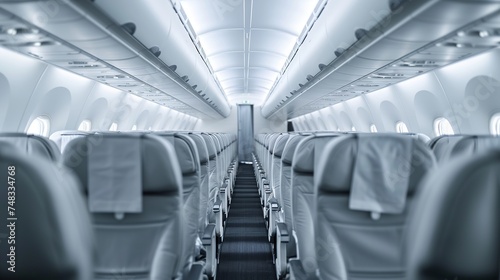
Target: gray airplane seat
x: 33, y: 145
x: 212, y: 169
x: 189, y: 162
x: 304, y: 166
x: 364, y: 187
x: 206, y: 231
x: 454, y: 230
x: 275, y: 201
x: 442, y: 145
x: 204, y: 181
x: 284, y: 230
x: 63, y: 137
x: 473, y: 144
x: 46, y: 230
x: 133, y: 187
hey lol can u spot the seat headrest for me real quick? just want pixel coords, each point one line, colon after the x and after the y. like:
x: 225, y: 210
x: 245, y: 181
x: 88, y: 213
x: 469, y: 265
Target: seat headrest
x: 453, y: 232
x: 308, y: 151
x: 212, y: 153
x: 201, y: 146
x: 160, y: 170
x: 33, y: 145
x: 338, y: 164
x: 279, y: 146
x: 289, y: 149
x: 185, y: 149
x: 272, y: 141
x: 63, y: 137
x: 53, y: 232
x: 442, y: 145
x: 469, y: 145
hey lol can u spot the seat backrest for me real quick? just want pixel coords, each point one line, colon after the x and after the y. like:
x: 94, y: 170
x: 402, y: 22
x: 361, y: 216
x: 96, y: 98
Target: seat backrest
x: 63, y: 137
x: 304, y: 164
x: 33, y: 145
x: 212, y: 175
x: 269, y: 155
x: 454, y: 227
x: 442, y: 145
x: 49, y: 230
x: 133, y: 185
x: 204, y: 180
x: 473, y: 144
x: 187, y: 155
x: 278, y: 148
x: 218, y: 159
x: 285, y: 181
x: 365, y: 185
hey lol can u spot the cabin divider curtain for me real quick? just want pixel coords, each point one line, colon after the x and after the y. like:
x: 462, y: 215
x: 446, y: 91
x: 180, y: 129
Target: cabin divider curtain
x: 245, y: 132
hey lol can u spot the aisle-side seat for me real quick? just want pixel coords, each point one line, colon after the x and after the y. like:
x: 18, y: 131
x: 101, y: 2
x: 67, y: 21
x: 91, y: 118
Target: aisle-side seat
x: 206, y: 230
x: 285, y: 245
x: 52, y: 229
x: 214, y: 198
x: 454, y: 228
x: 304, y: 165
x: 133, y: 185
x: 189, y: 162
x: 365, y: 185
x: 274, y: 204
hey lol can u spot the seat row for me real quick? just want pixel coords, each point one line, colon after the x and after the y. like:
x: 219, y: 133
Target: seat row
x: 378, y: 206
x: 141, y: 205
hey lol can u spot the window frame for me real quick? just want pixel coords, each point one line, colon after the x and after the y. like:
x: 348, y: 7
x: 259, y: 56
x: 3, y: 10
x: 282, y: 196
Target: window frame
x: 44, y: 124
x: 113, y: 127
x: 440, y: 129
x: 84, y: 123
x: 495, y: 124
x: 401, y: 127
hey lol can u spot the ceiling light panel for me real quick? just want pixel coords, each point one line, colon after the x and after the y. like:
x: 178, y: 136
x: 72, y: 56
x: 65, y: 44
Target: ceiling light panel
x: 256, y: 36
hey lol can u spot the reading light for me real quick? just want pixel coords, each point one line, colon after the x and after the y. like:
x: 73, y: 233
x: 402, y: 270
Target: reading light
x: 11, y: 31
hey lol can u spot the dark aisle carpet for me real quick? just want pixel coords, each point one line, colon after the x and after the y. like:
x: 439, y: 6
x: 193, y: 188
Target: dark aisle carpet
x: 245, y: 253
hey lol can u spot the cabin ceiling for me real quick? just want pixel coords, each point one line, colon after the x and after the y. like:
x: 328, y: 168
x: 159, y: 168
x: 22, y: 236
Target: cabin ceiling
x: 293, y: 57
x: 247, y: 44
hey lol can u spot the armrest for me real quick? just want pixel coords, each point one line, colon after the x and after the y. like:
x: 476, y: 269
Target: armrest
x: 282, y: 238
x: 219, y: 222
x: 274, y: 205
x: 196, y: 272
x: 211, y: 246
x: 208, y: 235
x: 217, y: 205
x: 298, y: 272
x: 282, y: 232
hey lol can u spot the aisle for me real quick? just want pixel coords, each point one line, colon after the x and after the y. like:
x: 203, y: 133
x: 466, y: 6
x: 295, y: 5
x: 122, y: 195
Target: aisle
x: 245, y: 253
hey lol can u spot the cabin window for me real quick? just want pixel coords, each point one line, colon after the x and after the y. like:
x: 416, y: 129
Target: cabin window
x: 373, y: 128
x: 495, y: 124
x: 40, y: 126
x: 401, y: 127
x: 134, y: 127
x: 113, y: 127
x: 85, y: 125
x: 443, y: 127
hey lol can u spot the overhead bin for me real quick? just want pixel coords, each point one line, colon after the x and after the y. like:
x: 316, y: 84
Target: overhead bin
x: 79, y: 33
x: 415, y: 38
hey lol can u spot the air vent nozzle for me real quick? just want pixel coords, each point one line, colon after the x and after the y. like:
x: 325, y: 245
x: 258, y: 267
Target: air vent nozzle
x: 129, y: 27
